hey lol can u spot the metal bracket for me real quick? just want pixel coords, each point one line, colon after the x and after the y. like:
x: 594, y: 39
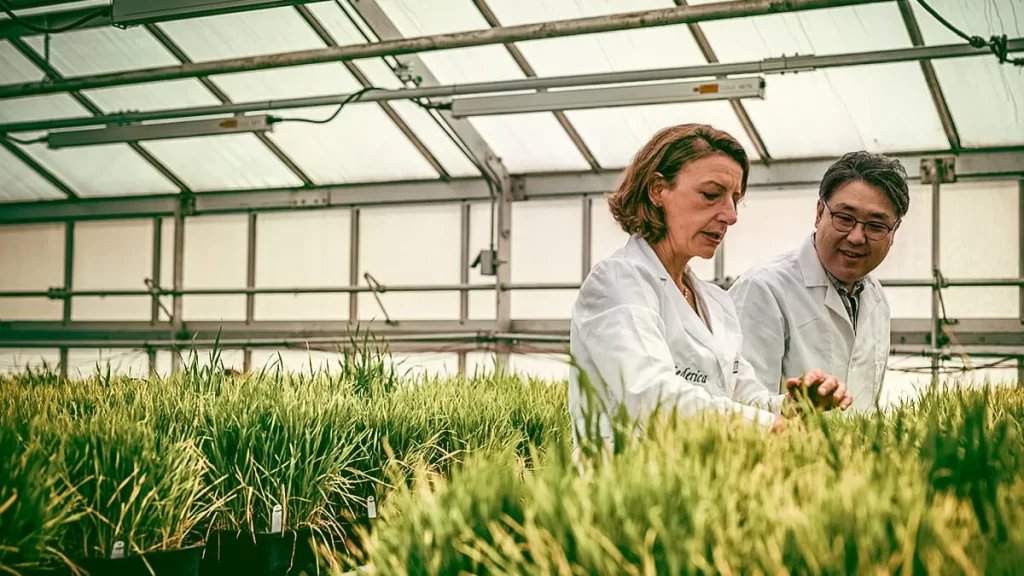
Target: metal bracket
x: 376, y: 288
x: 518, y: 189
x: 942, y: 168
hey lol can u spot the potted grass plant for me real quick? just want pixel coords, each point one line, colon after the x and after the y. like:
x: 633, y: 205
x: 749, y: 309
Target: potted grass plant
x: 285, y: 451
x: 139, y: 497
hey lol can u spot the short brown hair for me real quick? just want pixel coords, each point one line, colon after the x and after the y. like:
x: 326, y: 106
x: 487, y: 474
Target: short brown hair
x: 666, y: 153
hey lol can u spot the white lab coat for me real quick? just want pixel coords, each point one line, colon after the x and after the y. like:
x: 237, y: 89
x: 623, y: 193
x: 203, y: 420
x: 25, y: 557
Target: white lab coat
x: 638, y: 339
x: 794, y: 320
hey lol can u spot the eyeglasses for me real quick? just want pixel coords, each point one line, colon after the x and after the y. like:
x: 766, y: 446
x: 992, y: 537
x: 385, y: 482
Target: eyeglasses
x: 843, y: 222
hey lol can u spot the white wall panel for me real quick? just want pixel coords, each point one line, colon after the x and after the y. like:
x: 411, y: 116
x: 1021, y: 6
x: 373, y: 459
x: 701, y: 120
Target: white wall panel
x: 112, y: 255
x: 482, y: 303
x: 302, y: 249
x: 88, y: 362
x: 552, y: 367
x: 410, y: 245
x: 215, y: 257
x: 426, y: 364
x: 909, y: 376
x: 297, y: 361
x: 980, y: 239
x: 479, y: 363
x: 233, y: 359
x: 769, y: 222
x: 909, y: 258
x: 14, y: 361
x: 31, y: 258
x: 547, y: 247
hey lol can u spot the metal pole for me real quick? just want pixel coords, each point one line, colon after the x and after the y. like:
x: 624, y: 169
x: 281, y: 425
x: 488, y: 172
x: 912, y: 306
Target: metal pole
x: 353, y: 265
x: 69, y: 270
x: 1020, y: 269
x: 499, y: 35
x: 464, y: 232
x: 179, y: 270
x: 766, y: 66
x: 588, y: 235
x: 154, y: 309
x: 250, y: 282
x: 503, y: 309
x: 935, y: 241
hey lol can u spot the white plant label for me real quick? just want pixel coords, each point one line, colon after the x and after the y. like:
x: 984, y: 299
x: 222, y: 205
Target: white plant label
x: 118, y: 550
x: 275, y: 520
x: 371, y: 507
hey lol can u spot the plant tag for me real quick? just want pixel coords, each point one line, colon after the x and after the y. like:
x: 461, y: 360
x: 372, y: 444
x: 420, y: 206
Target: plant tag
x: 371, y: 507
x: 118, y: 550
x: 275, y: 520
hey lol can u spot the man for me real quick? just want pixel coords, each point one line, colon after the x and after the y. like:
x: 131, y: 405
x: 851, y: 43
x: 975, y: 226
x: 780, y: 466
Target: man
x: 817, y: 306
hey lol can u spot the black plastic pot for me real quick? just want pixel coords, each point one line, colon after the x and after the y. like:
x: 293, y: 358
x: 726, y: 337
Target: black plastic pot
x: 263, y: 554
x: 177, y: 562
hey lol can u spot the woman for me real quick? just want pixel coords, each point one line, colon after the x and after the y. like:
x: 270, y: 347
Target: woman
x: 647, y: 331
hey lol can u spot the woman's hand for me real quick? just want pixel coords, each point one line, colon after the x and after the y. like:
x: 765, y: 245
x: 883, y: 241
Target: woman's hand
x: 824, y: 391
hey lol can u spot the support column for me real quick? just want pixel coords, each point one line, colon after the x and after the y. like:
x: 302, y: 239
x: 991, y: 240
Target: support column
x: 588, y: 236
x: 154, y: 307
x: 503, y: 246
x: 464, y: 231
x: 353, y: 265
x: 177, y: 281
x: 1020, y: 270
x: 250, y: 282
x: 936, y: 171
x: 69, y: 270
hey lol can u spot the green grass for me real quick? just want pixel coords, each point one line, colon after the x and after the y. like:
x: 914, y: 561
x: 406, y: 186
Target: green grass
x: 477, y: 474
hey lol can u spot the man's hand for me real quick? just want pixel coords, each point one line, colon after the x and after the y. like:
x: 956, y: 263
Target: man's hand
x: 824, y: 391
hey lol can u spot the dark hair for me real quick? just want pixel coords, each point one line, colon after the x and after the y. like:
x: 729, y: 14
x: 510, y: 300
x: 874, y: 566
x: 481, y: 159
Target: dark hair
x: 882, y: 172
x: 666, y: 153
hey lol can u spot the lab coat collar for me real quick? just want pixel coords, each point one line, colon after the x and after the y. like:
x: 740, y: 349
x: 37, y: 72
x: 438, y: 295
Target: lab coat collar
x: 815, y: 275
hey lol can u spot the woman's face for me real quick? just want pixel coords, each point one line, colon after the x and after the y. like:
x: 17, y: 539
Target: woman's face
x: 700, y: 205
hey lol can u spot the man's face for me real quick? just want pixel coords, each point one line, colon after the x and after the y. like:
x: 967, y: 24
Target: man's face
x: 851, y: 253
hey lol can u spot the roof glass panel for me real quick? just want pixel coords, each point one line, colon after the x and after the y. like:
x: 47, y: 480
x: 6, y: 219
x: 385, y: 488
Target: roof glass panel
x: 30, y: 108
x: 657, y: 47
x: 985, y: 98
x: 14, y: 67
x: 154, y: 96
x: 107, y: 170
x: 19, y: 183
x: 102, y: 50
x: 360, y: 144
x: 826, y: 112
x: 234, y: 161
x: 533, y: 142
x: 241, y: 34
x: 615, y: 134
x: 338, y: 22
x: 430, y: 132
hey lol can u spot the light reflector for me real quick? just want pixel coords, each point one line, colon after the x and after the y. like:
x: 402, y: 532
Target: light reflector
x: 617, y: 96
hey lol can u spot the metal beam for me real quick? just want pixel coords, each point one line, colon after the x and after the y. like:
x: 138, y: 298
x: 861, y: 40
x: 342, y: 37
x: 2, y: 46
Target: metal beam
x: 930, y: 78
x: 906, y: 333
x: 737, y: 107
x: 313, y: 22
x: 95, y: 110
x: 1020, y: 269
x: 977, y: 164
x: 527, y: 69
x: 171, y: 46
x: 606, y: 23
x: 766, y: 66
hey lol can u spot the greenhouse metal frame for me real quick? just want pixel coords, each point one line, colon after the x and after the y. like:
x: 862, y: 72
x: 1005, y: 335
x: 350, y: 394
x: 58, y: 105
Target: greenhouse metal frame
x: 495, y: 185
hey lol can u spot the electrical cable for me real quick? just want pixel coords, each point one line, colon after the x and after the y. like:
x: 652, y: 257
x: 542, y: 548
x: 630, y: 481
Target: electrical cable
x: 998, y: 44
x: 7, y: 9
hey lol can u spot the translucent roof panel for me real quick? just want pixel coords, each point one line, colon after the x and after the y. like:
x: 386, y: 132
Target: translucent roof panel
x: 19, y: 183
x: 152, y: 96
x: 235, y: 161
x: 986, y: 98
x: 102, y: 50
x: 615, y: 134
x: 828, y: 112
x: 15, y: 68
x: 91, y: 171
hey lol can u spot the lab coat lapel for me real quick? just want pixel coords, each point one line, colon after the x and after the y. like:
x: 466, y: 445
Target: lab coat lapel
x: 815, y: 277
x: 691, y: 321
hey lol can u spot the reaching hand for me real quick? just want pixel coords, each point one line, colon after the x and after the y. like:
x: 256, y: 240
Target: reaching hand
x: 824, y: 391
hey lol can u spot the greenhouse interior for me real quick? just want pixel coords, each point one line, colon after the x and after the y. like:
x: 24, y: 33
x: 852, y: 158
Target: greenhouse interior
x: 286, y: 286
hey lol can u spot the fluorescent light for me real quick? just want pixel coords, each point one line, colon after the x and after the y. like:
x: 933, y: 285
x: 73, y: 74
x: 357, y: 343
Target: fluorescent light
x: 159, y: 131
x: 668, y: 93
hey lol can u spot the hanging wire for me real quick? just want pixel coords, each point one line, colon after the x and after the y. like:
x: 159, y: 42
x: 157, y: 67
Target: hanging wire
x: 998, y: 44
